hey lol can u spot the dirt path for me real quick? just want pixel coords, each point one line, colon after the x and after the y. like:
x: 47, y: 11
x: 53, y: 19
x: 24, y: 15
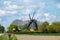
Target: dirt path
x: 30, y: 37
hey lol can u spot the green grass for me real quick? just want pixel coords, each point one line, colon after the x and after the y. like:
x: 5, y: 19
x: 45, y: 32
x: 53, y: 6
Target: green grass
x: 47, y: 34
x: 38, y: 34
x: 1, y: 38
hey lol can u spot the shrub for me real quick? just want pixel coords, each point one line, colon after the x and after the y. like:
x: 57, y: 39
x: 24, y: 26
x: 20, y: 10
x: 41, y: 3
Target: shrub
x: 50, y: 29
x: 6, y: 37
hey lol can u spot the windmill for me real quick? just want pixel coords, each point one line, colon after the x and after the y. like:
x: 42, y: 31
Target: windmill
x: 33, y: 21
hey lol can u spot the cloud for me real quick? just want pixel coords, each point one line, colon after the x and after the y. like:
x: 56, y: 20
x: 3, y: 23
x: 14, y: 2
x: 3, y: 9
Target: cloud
x: 12, y: 7
x: 41, y: 5
x: 48, y: 16
x: 26, y: 1
x: 0, y: 19
x: 4, y: 12
x: 24, y: 18
x: 9, y: 5
x: 11, y: 12
x: 26, y: 11
x: 58, y: 5
x: 31, y: 6
x: 7, y: 2
x: 38, y: 14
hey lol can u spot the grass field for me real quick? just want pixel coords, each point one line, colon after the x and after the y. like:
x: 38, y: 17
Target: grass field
x: 39, y: 34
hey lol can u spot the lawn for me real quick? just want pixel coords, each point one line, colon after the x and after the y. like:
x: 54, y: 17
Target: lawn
x: 38, y: 34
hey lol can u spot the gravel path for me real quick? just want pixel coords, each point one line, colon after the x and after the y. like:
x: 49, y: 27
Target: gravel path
x: 31, y: 37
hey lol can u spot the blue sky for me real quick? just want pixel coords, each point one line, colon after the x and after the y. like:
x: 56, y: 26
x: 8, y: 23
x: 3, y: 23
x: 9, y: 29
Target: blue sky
x: 46, y: 10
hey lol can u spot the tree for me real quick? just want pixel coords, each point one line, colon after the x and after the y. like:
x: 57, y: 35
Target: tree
x: 56, y: 26
x: 11, y: 27
x: 25, y: 26
x: 24, y: 29
x: 20, y: 26
x: 42, y: 27
x: 2, y: 29
x: 50, y: 29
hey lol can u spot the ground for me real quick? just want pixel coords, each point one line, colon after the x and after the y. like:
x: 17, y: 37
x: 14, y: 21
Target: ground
x: 32, y: 37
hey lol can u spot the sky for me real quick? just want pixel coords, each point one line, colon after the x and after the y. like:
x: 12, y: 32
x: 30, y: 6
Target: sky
x: 45, y: 10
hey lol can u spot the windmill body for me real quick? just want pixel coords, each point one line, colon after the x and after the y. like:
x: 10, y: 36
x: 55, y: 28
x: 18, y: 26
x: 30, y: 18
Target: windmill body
x: 34, y: 22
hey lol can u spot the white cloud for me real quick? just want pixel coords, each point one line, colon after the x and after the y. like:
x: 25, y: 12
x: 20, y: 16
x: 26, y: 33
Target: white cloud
x: 53, y: 16
x: 31, y: 6
x: 44, y: 19
x: 26, y: 1
x: 4, y: 12
x: 7, y: 2
x: 11, y: 12
x: 9, y: 5
x: 0, y: 19
x: 26, y: 11
x: 24, y: 18
x: 48, y: 16
x: 38, y: 14
x: 41, y: 5
x: 58, y: 5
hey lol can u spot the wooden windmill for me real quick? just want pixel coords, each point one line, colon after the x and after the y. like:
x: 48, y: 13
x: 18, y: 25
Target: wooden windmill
x: 33, y: 21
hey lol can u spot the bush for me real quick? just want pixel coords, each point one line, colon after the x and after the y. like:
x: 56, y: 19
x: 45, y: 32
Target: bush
x: 42, y: 27
x: 56, y: 26
x: 2, y: 29
x: 10, y: 28
x: 50, y: 29
x: 6, y: 37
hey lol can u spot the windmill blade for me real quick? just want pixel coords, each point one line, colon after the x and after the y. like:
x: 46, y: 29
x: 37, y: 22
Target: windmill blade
x: 29, y: 16
x: 34, y: 12
x: 36, y: 25
x: 38, y: 17
x: 29, y: 24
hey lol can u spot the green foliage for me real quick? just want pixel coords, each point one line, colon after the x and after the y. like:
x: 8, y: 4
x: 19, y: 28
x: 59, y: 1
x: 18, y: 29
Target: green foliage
x: 24, y: 29
x: 45, y: 27
x: 2, y: 29
x: 56, y: 26
x: 20, y: 26
x: 13, y: 37
x: 6, y: 37
x: 42, y: 27
x: 10, y: 28
x: 1, y: 37
x: 25, y: 26
x: 50, y: 28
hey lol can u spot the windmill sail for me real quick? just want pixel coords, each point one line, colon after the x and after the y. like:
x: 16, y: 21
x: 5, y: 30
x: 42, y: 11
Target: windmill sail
x: 33, y: 21
x: 29, y: 16
x: 34, y: 12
